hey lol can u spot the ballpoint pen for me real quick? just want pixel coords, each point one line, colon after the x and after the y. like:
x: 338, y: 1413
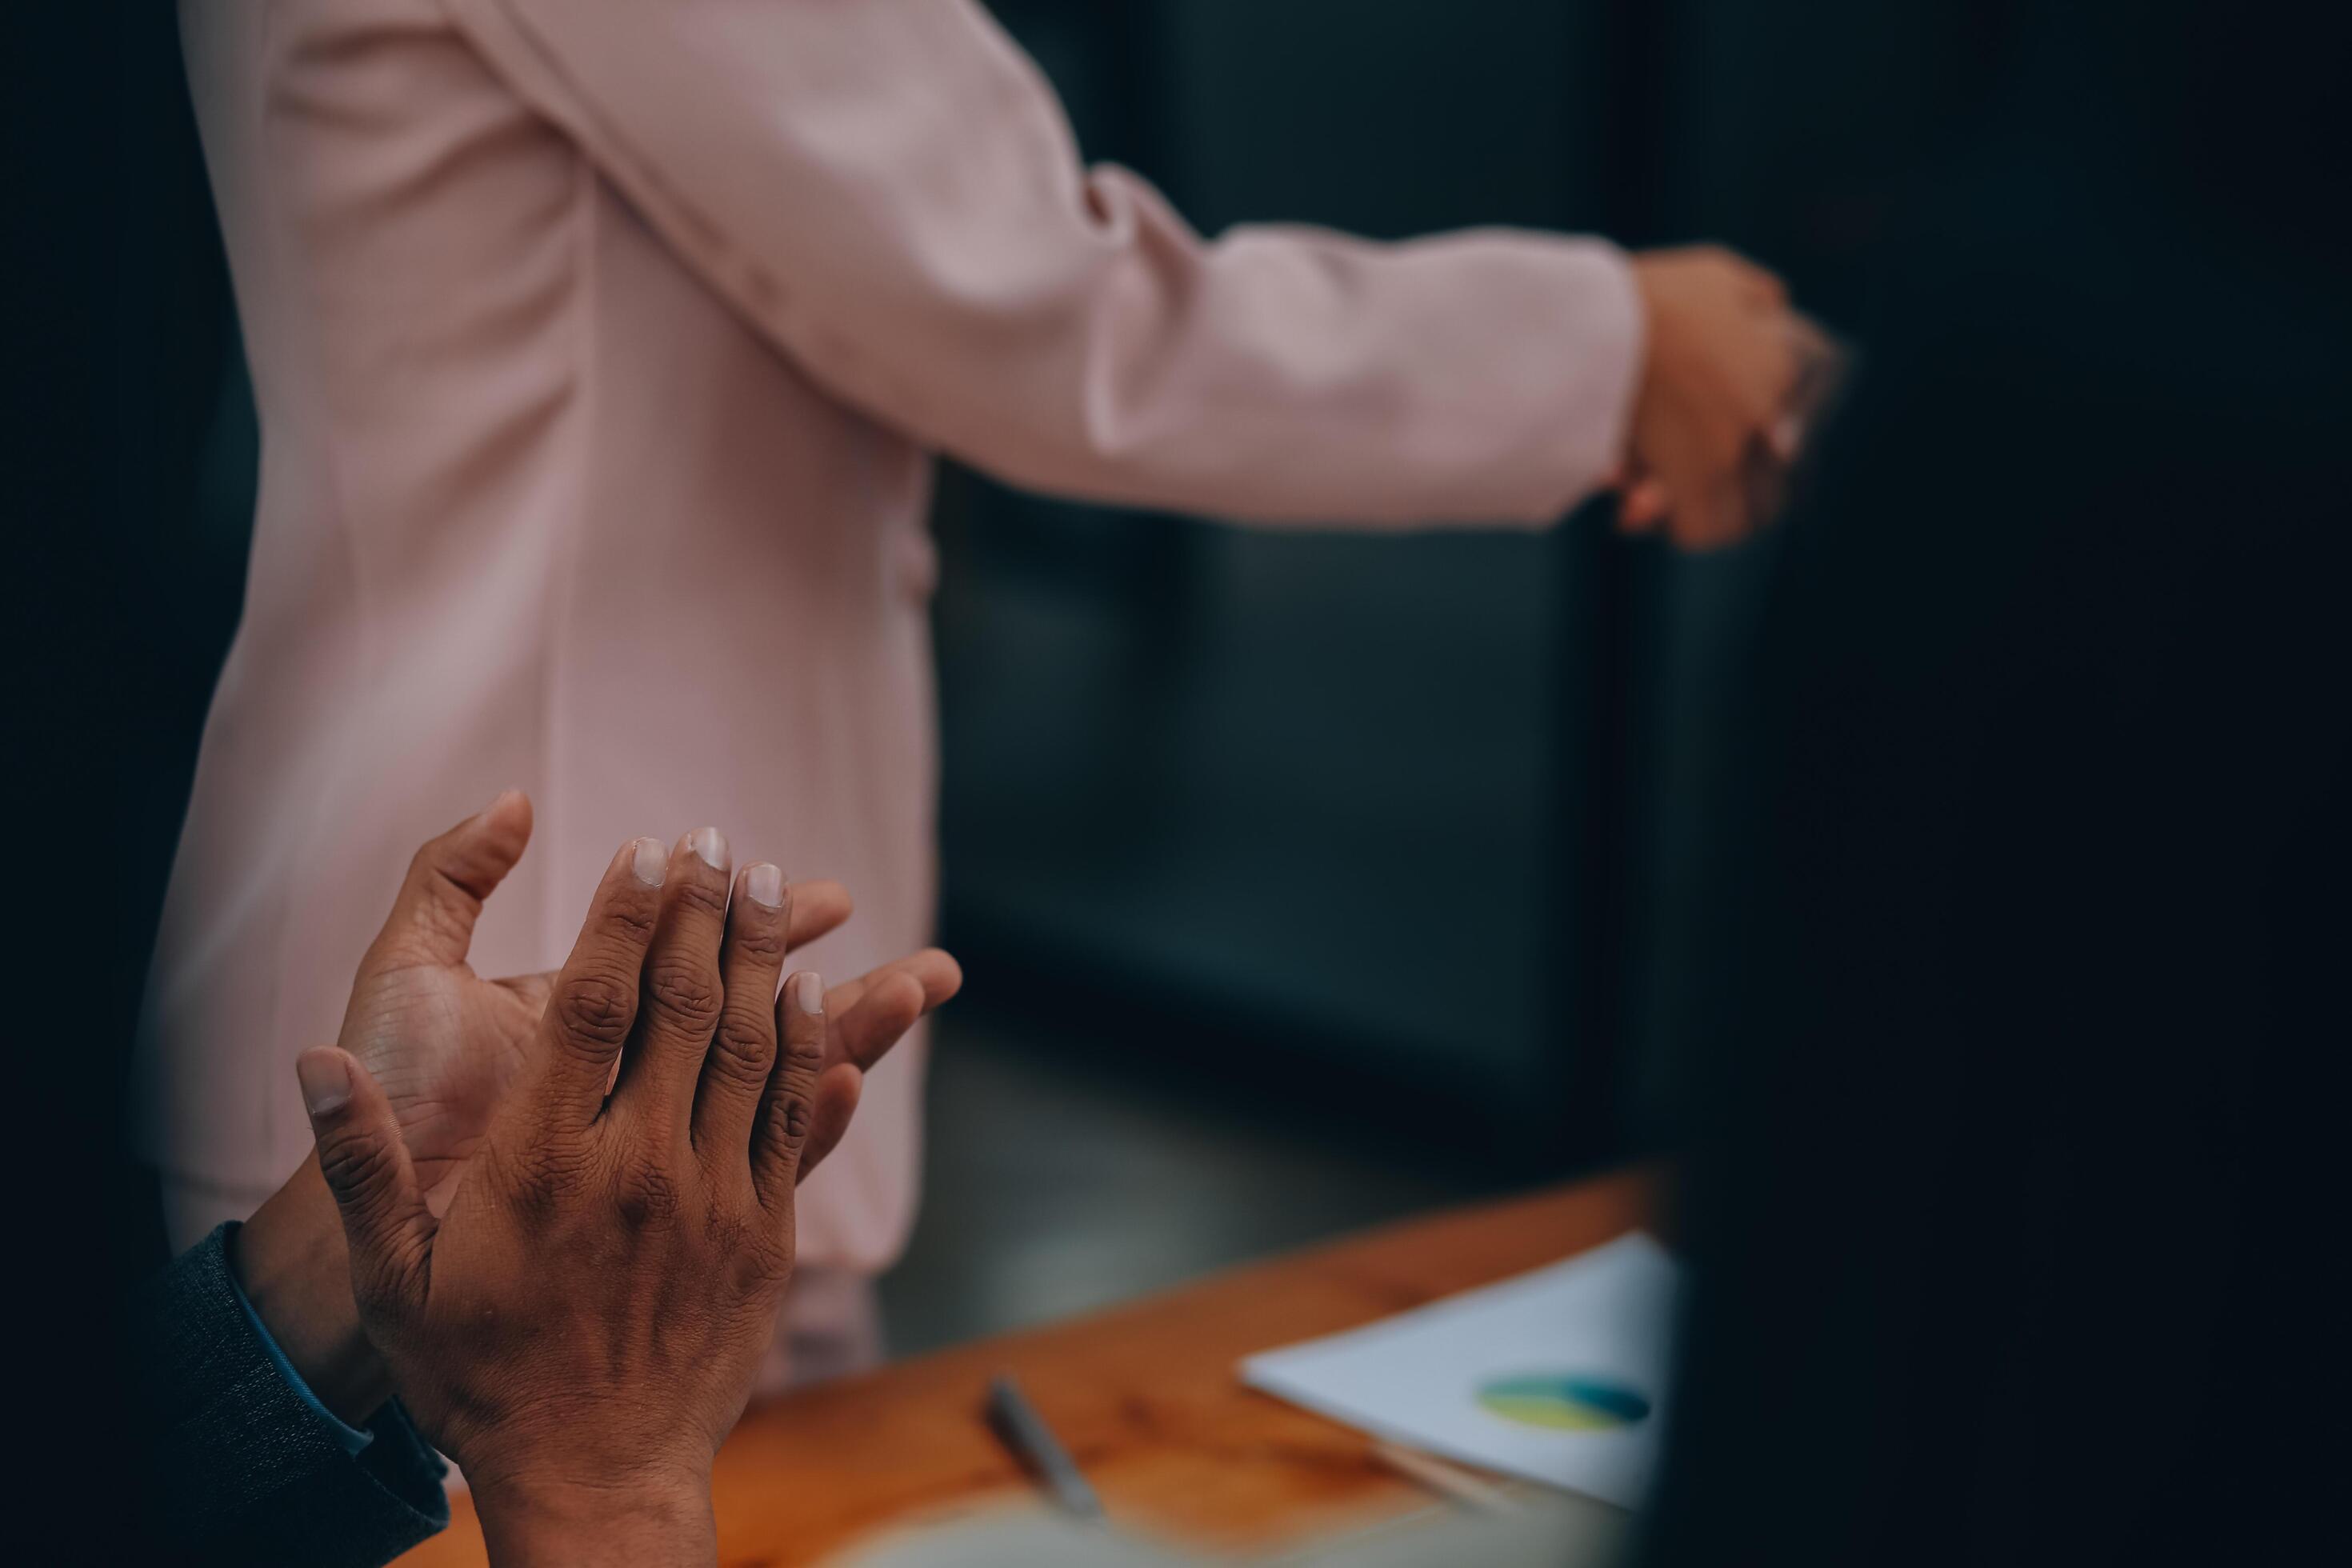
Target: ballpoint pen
x: 1024, y: 1431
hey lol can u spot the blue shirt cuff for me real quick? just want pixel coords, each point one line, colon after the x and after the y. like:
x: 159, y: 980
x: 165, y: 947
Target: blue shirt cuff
x: 353, y: 1439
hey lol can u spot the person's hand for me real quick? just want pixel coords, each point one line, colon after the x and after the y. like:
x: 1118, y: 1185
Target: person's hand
x: 1723, y: 355
x: 444, y: 1044
x: 580, y: 1329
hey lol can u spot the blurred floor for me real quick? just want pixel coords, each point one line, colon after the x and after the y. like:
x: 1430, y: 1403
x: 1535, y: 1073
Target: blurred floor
x: 1057, y: 1183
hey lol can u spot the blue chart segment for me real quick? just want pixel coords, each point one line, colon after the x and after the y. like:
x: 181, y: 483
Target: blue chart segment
x: 1564, y: 1402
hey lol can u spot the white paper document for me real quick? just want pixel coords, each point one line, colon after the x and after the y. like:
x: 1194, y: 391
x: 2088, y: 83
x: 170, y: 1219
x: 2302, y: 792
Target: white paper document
x: 1559, y: 1375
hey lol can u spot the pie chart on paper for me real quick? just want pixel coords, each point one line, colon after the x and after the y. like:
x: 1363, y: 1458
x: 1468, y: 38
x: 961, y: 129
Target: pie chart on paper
x: 1564, y: 1402
x: 1564, y: 1375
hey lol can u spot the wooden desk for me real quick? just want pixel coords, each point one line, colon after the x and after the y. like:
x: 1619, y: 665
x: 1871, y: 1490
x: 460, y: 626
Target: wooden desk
x: 1144, y: 1396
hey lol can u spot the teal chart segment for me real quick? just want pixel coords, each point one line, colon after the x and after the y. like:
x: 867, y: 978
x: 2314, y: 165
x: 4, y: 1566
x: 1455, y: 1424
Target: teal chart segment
x: 1564, y: 1402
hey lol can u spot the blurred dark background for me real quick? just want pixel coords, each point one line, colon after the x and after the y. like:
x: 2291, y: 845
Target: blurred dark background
x: 1405, y: 825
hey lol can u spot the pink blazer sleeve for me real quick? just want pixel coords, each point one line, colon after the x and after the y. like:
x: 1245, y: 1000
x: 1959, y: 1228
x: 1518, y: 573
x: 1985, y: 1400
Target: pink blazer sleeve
x: 888, y: 190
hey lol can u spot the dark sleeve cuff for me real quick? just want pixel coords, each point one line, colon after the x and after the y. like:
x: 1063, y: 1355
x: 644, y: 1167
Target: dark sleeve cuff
x: 251, y: 1468
x: 353, y: 1439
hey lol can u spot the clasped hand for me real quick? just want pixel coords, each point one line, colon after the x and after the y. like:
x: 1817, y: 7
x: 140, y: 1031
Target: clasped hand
x: 1727, y: 374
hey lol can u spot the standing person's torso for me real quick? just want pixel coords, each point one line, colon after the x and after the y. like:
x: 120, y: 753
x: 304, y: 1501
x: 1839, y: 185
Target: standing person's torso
x: 535, y: 508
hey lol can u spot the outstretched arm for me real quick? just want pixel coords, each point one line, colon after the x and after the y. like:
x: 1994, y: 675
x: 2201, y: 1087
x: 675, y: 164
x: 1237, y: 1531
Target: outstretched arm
x: 888, y: 190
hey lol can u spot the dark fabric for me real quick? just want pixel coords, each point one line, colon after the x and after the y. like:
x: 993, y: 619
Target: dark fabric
x: 246, y: 1470
x: 2015, y: 1225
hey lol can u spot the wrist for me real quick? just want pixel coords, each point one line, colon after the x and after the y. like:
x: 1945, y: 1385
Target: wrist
x: 655, y: 1523
x: 294, y: 1267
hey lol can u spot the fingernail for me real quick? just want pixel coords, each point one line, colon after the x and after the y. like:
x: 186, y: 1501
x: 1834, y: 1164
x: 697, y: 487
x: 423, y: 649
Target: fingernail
x: 498, y: 800
x: 766, y: 883
x: 711, y: 845
x: 808, y: 993
x: 650, y: 861
x: 326, y: 1081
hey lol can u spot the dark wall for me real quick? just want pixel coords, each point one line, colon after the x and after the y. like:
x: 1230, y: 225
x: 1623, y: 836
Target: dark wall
x: 1245, y: 772
x: 1177, y: 753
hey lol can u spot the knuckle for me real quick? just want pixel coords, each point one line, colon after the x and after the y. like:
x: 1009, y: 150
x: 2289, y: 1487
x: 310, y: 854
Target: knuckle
x: 357, y: 1166
x: 790, y: 1120
x: 629, y: 921
x: 761, y: 940
x: 538, y: 1174
x: 648, y: 1197
x: 744, y: 1049
x: 686, y: 987
x: 804, y: 1058
x: 595, y: 1010
x: 698, y: 896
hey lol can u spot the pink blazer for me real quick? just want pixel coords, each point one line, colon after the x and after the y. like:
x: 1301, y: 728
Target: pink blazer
x: 601, y: 347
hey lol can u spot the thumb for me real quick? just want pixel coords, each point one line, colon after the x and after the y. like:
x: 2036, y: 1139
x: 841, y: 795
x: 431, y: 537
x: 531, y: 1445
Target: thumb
x: 366, y: 1163
x: 433, y: 919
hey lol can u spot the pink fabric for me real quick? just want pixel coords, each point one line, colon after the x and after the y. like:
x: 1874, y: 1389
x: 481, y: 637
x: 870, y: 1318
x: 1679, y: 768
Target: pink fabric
x: 601, y: 347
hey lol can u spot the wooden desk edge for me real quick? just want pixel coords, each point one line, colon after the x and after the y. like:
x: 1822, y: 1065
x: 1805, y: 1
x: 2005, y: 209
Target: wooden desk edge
x: 1143, y: 1393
